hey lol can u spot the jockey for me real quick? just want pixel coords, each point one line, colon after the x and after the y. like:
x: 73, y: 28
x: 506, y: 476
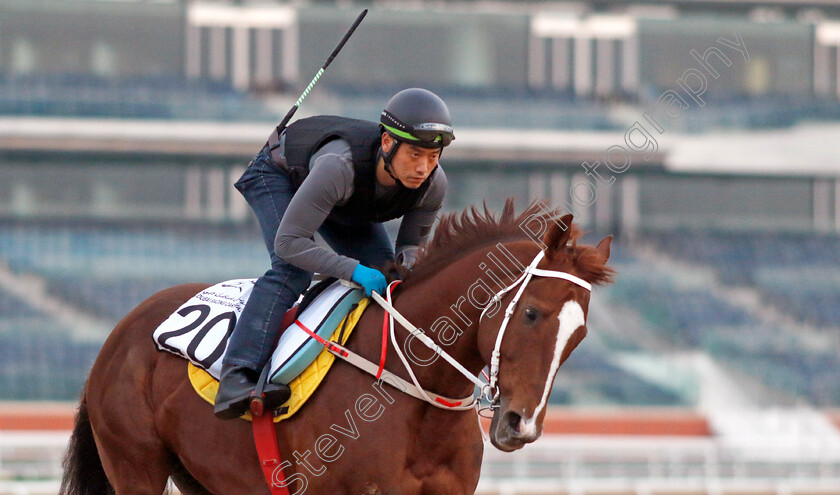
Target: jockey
x: 342, y: 178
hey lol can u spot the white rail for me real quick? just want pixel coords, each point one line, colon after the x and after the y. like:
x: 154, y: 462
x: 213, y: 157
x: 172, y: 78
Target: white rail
x: 31, y: 455
x: 29, y: 487
x: 558, y: 464
x: 657, y: 486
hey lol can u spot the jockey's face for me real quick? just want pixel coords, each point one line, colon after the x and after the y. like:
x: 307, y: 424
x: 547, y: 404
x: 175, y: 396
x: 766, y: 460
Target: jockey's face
x: 411, y: 164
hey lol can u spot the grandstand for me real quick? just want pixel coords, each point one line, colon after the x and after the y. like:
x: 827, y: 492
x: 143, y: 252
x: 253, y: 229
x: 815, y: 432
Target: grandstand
x: 118, y: 149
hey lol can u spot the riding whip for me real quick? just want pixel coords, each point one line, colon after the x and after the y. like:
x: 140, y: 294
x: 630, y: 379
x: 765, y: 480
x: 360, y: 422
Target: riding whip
x: 306, y: 91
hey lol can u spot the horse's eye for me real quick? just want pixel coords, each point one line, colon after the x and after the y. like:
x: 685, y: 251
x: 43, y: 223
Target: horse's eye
x: 531, y: 315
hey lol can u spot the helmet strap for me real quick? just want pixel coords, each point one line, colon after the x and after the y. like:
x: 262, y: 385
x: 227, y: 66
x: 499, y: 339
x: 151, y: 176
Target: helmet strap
x: 387, y: 157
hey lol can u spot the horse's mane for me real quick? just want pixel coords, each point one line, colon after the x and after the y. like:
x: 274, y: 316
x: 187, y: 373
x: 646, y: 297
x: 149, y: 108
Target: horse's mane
x: 460, y: 233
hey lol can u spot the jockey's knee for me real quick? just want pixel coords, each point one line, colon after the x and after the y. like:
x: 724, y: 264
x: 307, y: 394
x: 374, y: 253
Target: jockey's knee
x: 294, y: 281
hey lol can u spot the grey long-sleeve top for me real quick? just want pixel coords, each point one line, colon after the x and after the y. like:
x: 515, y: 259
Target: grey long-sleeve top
x: 329, y: 184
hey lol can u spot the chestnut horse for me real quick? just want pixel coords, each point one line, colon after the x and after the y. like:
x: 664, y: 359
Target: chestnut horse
x: 140, y: 422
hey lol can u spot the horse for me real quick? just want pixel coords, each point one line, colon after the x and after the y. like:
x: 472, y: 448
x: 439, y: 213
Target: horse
x: 140, y: 424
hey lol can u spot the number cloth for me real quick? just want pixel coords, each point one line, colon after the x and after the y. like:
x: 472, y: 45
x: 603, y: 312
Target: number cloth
x: 200, y: 329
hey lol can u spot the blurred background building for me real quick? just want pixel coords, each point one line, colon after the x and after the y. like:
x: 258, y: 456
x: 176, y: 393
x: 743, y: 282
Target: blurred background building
x: 703, y: 134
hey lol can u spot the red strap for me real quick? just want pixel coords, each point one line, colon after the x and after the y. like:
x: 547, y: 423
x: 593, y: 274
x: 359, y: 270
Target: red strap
x: 384, y: 345
x: 326, y: 343
x: 384, y: 352
x: 441, y: 400
x: 265, y: 438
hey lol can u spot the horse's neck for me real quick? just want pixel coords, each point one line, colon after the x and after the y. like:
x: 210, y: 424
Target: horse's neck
x: 448, y: 307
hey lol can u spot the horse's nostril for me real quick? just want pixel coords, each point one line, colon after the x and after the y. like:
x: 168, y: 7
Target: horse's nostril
x: 513, y: 421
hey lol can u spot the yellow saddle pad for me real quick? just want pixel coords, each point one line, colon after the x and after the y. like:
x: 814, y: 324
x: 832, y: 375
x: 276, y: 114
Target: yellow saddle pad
x: 302, y: 387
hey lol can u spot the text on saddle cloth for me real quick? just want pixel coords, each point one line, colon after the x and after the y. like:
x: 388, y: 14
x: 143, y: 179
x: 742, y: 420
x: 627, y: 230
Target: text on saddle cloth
x: 199, y: 330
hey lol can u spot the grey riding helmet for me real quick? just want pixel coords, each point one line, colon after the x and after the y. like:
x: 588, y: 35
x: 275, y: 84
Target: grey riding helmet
x: 418, y: 117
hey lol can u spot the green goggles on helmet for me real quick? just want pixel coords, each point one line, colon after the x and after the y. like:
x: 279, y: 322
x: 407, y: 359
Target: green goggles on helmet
x: 427, y: 135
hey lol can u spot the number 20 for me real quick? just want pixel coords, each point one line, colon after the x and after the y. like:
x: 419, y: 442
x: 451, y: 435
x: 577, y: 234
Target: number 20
x: 204, y: 312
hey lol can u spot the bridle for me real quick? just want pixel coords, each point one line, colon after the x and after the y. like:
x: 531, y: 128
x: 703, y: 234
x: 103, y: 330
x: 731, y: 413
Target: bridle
x: 490, y: 390
x: 524, y: 279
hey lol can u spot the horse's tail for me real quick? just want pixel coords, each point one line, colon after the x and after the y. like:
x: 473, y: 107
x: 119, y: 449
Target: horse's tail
x: 83, y: 472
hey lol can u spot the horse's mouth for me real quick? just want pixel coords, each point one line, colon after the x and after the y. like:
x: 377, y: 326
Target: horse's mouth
x: 509, y: 432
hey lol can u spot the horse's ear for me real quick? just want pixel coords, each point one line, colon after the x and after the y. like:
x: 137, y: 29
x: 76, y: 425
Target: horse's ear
x: 603, y: 247
x: 558, y: 235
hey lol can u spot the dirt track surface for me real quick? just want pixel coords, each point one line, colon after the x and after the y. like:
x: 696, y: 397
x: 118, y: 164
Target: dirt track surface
x: 37, y: 416
x: 58, y: 416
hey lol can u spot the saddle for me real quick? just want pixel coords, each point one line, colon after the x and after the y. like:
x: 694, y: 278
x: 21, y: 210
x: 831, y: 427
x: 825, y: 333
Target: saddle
x: 327, y: 313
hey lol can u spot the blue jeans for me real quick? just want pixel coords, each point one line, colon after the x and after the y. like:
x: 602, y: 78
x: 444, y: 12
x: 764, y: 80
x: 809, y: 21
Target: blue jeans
x: 268, y: 191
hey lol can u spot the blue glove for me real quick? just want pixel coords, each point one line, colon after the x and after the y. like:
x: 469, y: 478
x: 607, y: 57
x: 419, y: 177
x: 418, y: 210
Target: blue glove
x: 370, y: 279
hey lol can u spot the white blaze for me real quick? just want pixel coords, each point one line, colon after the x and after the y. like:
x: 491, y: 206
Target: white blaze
x: 570, y: 318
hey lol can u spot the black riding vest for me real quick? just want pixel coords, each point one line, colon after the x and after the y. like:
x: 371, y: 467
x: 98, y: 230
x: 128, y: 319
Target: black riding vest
x: 306, y: 136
